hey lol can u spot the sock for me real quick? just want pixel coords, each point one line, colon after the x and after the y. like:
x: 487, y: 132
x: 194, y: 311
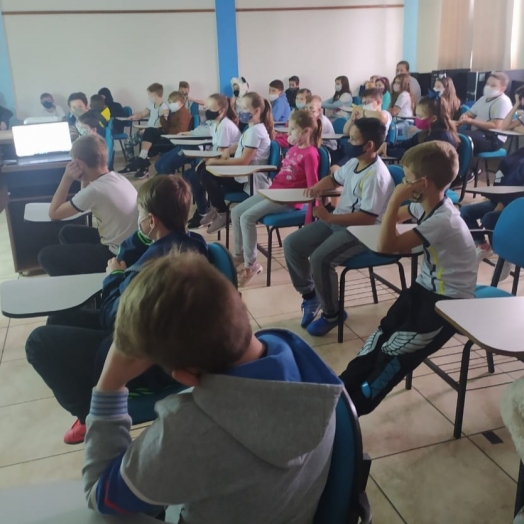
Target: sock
x: 143, y: 154
x: 309, y: 296
x: 331, y: 318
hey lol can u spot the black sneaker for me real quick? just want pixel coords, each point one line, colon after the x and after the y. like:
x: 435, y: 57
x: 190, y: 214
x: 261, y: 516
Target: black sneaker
x: 194, y: 222
x: 142, y: 170
x: 130, y: 168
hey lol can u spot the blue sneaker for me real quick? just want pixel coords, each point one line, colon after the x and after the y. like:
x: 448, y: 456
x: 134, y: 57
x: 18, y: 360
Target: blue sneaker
x: 323, y: 326
x: 310, y: 308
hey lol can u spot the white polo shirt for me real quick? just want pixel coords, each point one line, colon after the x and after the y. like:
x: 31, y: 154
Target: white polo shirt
x: 449, y: 265
x: 488, y: 109
x: 404, y: 104
x: 224, y: 133
x: 367, y: 190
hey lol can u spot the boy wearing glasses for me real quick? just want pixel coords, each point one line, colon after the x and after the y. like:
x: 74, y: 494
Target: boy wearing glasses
x: 412, y: 330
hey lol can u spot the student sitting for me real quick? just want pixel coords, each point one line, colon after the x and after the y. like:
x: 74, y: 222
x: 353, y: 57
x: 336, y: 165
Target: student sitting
x: 445, y: 86
x: 183, y: 87
x: 342, y: 97
x: 279, y: 104
x: 300, y: 101
x: 117, y: 111
x: 89, y: 124
x: 402, y: 99
x: 98, y: 104
x: 299, y: 170
x: 110, y: 197
x: 178, y: 120
x: 433, y: 122
x: 488, y: 113
x: 403, y: 69
x: 253, y: 148
x: 240, y: 87
x: 77, y: 103
x: 49, y: 106
x: 412, y: 330
x: 252, y: 442
x: 155, y: 109
x: 313, y: 252
x: 314, y: 106
x: 69, y: 352
x: 292, y: 91
x: 382, y: 84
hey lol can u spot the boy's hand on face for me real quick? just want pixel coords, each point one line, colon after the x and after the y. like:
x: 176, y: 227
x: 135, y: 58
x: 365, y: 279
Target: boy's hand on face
x: 321, y: 213
x: 73, y: 171
x: 114, y: 265
x: 405, y: 192
x: 119, y: 369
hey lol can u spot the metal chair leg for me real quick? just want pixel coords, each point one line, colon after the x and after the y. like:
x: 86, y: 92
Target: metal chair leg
x: 519, y: 499
x: 461, y: 391
x: 516, y: 276
x: 123, y: 150
x: 341, y: 300
x: 278, y: 237
x: 228, y: 216
x: 269, y: 256
x: 402, y: 276
x: 409, y: 380
x: 373, y: 285
x: 491, y: 363
x: 487, y: 171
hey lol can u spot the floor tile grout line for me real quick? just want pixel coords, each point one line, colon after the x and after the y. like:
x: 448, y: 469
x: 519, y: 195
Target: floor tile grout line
x: 78, y: 450
x: 451, y: 439
x: 386, y: 497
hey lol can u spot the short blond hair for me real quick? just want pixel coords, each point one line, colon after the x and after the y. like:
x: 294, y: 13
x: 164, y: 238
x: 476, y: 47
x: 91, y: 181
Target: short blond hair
x: 177, y: 95
x: 502, y: 77
x: 182, y: 313
x: 90, y: 149
x: 436, y: 160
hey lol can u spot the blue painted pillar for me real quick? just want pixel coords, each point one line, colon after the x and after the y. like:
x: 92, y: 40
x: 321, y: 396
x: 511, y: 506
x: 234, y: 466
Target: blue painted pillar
x: 409, y: 51
x: 7, y: 92
x: 226, y: 21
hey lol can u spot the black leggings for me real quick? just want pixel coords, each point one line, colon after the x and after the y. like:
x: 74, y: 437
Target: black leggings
x: 215, y: 187
x: 159, y: 144
x: 484, y: 142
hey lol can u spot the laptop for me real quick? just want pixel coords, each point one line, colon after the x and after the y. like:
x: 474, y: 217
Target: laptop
x: 42, y: 143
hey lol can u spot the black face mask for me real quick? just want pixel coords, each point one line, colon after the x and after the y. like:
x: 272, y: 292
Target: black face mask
x: 293, y: 89
x: 236, y: 92
x: 47, y: 104
x: 212, y: 115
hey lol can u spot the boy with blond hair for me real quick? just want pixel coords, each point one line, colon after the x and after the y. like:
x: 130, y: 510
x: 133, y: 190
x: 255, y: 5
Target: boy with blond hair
x: 412, y: 330
x: 250, y: 443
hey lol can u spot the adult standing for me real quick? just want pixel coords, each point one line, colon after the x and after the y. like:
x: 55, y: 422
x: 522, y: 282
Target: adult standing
x: 403, y: 69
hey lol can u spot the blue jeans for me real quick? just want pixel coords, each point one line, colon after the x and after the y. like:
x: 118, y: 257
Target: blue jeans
x: 483, y: 211
x: 173, y: 160
x: 194, y: 179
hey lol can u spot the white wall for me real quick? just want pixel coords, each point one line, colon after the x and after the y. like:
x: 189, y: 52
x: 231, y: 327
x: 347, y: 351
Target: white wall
x: 318, y: 45
x: 429, y: 13
x: 125, y: 52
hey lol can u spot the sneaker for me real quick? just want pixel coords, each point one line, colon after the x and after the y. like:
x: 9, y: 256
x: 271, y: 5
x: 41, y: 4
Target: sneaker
x: 142, y: 173
x: 76, y: 433
x: 194, y: 221
x: 310, y: 307
x: 507, y: 268
x: 323, y: 326
x: 209, y: 217
x: 248, y: 274
x: 219, y: 223
x: 483, y: 253
x: 238, y: 261
x: 131, y: 167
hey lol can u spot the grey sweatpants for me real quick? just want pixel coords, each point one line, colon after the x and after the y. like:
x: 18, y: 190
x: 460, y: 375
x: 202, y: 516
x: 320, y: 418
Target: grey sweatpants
x: 312, y: 254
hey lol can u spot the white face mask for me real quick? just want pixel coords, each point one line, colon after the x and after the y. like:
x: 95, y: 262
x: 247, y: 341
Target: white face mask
x: 147, y: 235
x: 174, y: 107
x: 272, y: 97
x: 396, y: 88
x: 368, y: 107
x: 441, y: 90
x: 338, y: 87
x: 491, y: 92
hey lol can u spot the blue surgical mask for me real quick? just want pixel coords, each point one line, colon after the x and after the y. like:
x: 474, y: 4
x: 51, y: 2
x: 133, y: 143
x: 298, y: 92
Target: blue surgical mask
x: 245, y: 116
x: 357, y: 150
x: 300, y: 105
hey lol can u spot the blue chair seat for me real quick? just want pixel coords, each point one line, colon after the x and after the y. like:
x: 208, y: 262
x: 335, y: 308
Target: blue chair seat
x: 141, y: 406
x: 366, y: 260
x: 493, y: 154
x: 452, y: 196
x: 491, y: 292
x: 286, y: 219
x: 120, y: 136
x: 236, y: 197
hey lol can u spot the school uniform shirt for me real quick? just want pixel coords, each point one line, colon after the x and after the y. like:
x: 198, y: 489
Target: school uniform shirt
x: 255, y: 137
x: 327, y: 127
x: 449, y: 265
x: 224, y: 133
x: 488, y: 109
x: 112, y: 200
x: 367, y: 190
x: 404, y: 104
x: 154, y: 114
x: 57, y: 111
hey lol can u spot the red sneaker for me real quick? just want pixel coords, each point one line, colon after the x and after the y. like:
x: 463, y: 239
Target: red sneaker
x: 76, y: 433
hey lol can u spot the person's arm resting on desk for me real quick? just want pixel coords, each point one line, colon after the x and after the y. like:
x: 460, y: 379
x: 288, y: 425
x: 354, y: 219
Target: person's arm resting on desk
x: 140, y: 116
x: 247, y: 156
x: 60, y: 207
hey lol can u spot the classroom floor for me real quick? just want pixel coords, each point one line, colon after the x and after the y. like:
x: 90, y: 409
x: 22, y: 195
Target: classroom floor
x: 420, y: 474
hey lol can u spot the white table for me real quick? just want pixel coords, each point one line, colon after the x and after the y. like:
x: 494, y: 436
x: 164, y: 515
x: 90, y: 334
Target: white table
x: 35, y: 297
x: 281, y: 129
x: 123, y: 118
x: 39, y: 212
x: 293, y: 196
x: 191, y: 142
x: 511, y: 134
x: 187, y: 137
x: 192, y: 153
x: 332, y: 136
x: 141, y: 126
x: 497, y: 190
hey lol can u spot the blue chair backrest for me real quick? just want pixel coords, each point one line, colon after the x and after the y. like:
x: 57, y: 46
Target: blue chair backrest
x: 338, y: 125
x: 220, y: 257
x: 465, y: 154
x: 324, y: 163
x: 391, y: 137
x: 463, y: 109
x: 357, y: 101
x: 339, y: 499
x: 397, y: 173
x: 506, y: 243
x: 110, y: 142
x: 127, y: 111
x: 275, y: 153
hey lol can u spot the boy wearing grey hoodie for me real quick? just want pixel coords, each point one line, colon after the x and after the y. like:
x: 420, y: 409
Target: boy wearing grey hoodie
x: 250, y: 443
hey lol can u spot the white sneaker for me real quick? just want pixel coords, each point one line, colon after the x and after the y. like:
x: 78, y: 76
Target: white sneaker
x: 219, y: 223
x: 248, y: 274
x: 209, y: 217
x: 238, y: 261
x: 483, y: 253
x: 507, y: 268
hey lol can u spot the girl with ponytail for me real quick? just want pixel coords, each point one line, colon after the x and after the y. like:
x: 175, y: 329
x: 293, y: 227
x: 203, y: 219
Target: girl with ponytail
x: 299, y: 170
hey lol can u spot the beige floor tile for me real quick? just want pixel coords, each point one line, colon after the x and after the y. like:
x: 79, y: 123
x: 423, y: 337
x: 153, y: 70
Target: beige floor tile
x: 271, y: 301
x: 15, y: 341
x: 404, y: 420
x: 19, y: 382
x: 23, y: 321
x: 453, y: 483
x: 504, y: 453
x: 4, y: 322
x: 381, y: 508
x: 32, y: 431
x: 337, y: 356
x: 67, y: 466
x: 364, y: 320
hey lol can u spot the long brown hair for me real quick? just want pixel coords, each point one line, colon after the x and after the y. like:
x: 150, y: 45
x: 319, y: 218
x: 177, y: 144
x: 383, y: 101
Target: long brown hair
x: 345, y: 87
x: 225, y: 102
x: 305, y: 120
x: 405, y: 85
x: 438, y: 107
x: 266, y: 116
x: 450, y: 95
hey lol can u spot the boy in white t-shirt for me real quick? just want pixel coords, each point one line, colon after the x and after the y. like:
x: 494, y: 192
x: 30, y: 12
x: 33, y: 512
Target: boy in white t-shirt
x: 412, y: 330
x: 313, y: 252
x: 487, y: 114
x: 110, y: 197
x: 49, y: 106
x: 154, y: 110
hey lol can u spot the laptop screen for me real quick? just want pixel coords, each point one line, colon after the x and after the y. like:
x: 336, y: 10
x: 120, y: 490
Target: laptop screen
x: 41, y: 139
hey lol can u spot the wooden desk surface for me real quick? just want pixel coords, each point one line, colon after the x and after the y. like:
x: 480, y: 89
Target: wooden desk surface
x: 497, y: 190
x: 6, y: 137
x: 495, y: 324
x: 15, y: 168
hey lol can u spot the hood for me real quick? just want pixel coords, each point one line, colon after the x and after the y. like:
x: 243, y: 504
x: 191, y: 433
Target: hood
x: 242, y: 84
x: 294, y: 407
x: 107, y: 94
